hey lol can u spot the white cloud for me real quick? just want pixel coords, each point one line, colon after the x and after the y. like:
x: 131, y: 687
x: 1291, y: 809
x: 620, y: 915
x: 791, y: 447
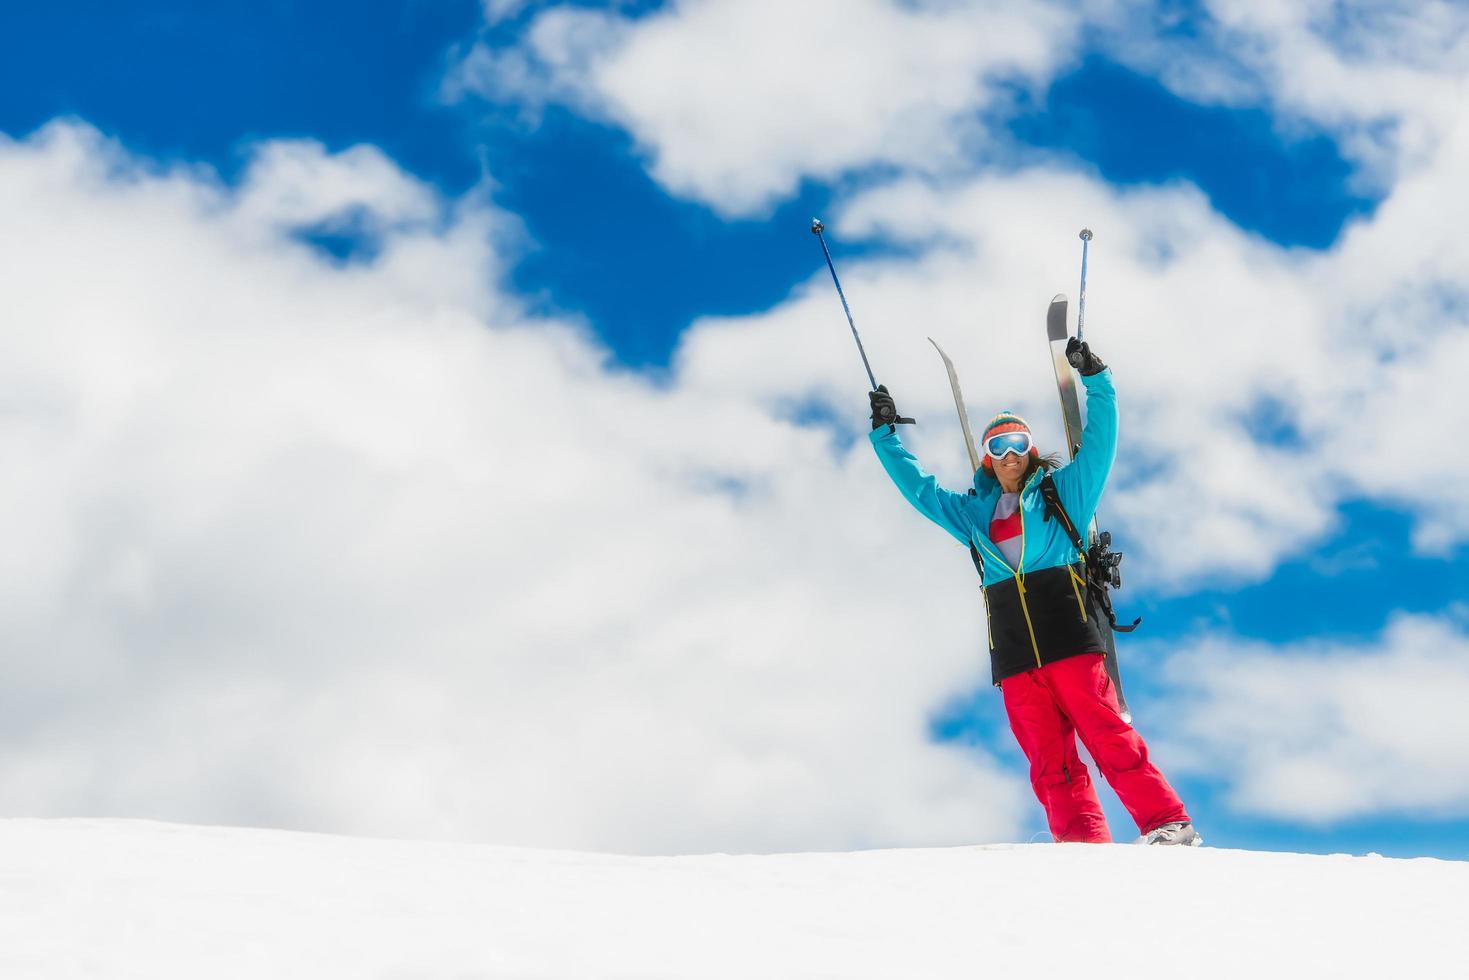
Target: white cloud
x: 297, y: 184
x: 499, y: 10
x: 1383, y: 76
x: 735, y: 101
x: 361, y: 547
x: 1323, y: 731
x: 1252, y: 377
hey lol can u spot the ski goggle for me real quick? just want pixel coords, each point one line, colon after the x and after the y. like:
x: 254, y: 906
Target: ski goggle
x: 1000, y: 446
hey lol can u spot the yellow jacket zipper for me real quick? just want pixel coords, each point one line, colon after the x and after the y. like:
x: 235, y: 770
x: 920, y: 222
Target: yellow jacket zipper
x: 1074, y: 580
x: 1019, y: 574
x: 989, y: 624
x: 1020, y: 580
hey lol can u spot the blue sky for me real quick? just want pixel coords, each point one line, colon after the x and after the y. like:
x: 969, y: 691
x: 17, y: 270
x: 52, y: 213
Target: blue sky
x: 607, y: 242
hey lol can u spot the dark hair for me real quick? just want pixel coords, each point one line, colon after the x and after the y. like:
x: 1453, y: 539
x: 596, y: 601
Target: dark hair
x: 1047, y: 462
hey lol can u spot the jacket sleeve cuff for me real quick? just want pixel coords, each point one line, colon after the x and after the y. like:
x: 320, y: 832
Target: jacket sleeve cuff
x: 883, y: 432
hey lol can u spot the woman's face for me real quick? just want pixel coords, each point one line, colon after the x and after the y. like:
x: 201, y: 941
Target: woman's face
x: 1009, y: 469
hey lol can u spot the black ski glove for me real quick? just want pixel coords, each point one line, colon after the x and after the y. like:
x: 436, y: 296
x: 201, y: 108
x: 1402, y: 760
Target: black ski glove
x: 884, y: 412
x: 1079, y: 353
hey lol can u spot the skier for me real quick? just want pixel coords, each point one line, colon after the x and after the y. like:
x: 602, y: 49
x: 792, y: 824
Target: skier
x: 1045, y: 644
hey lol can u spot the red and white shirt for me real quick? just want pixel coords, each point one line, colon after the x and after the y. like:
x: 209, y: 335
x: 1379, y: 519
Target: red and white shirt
x: 1005, y: 528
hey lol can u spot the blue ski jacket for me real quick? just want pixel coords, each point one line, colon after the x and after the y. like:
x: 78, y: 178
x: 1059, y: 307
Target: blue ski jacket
x: 1038, y: 611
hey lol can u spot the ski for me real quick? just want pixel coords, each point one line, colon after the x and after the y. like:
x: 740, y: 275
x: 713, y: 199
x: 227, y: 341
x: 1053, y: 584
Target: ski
x: 1071, y: 418
x: 959, y: 404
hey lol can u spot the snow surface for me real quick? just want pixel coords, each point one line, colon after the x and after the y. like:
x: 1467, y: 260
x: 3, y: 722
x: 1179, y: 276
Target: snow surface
x: 123, y: 899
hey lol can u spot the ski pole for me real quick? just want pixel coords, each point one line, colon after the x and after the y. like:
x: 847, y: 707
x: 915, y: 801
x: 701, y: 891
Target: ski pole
x: 1086, y: 236
x: 816, y: 229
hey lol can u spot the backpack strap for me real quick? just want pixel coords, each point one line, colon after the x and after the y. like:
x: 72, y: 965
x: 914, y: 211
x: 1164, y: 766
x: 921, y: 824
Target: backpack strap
x: 1096, y: 584
x: 1052, y: 497
x: 974, y: 552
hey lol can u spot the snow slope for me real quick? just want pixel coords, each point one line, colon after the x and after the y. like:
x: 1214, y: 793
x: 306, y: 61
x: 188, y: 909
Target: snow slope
x: 122, y: 899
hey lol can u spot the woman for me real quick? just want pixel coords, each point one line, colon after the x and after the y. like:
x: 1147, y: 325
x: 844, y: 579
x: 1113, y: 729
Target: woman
x: 1045, y: 643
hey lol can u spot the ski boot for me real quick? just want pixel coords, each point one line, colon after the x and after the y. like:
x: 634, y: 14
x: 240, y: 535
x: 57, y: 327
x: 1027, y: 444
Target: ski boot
x: 1178, y: 832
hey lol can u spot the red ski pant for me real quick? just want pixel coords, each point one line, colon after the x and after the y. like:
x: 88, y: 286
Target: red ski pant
x: 1052, y: 705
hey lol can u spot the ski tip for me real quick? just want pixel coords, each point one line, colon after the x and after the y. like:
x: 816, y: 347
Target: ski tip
x: 1056, y: 318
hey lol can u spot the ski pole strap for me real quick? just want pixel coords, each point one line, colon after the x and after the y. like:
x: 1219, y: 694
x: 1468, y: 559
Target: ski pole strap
x: 1103, y: 599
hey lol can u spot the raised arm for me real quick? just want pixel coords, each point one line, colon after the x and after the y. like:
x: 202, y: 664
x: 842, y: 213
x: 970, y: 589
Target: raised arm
x: 947, y: 509
x: 1082, y: 481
